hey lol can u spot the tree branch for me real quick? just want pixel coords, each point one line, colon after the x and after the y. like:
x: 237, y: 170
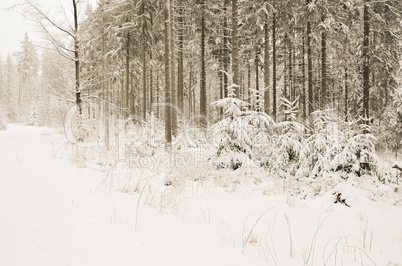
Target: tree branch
x: 44, y: 16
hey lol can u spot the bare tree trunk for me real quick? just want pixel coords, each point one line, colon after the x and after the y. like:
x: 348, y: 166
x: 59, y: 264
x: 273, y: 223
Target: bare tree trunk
x: 180, y: 66
x: 190, y: 90
x: 203, y: 89
x: 346, y: 95
x: 324, y: 94
x: 151, y: 93
x: 105, y: 92
x: 248, y: 80
x: 134, y: 88
x: 366, y: 67
x: 235, y: 48
x: 241, y: 88
x: 304, y: 78
x: 266, y: 66
x: 225, y: 48
x: 246, y: 91
x: 173, y: 93
x: 122, y: 86
x: 294, y: 74
x: 221, y: 75
x: 309, y: 66
x: 274, y: 65
x: 291, y: 96
x: 386, y: 91
x: 286, y: 66
x: 157, y: 97
x: 168, y: 129
x: 77, y: 59
x: 127, y: 69
x: 144, y: 64
x: 257, y: 81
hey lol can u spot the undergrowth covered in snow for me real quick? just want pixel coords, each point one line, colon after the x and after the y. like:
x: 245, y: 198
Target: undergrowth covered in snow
x: 324, y: 166
x: 301, y: 160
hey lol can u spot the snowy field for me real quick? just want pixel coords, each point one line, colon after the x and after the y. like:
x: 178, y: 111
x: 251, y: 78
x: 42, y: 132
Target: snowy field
x: 55, y: 213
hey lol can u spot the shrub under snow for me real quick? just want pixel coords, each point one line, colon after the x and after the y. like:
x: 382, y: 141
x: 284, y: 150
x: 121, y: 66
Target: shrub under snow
x: 288, y: 148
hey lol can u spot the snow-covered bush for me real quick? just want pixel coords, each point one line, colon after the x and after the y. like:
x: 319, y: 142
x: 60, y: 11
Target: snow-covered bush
x: 337, y: 146
x: 231, y: 135
x: 288, y: 139
x: 358, y: 155
x: 323, y: 144
x: 242, y: 136
x: 261, y: 128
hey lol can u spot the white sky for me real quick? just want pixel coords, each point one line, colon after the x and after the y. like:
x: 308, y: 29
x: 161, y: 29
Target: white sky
x: 13, y: 26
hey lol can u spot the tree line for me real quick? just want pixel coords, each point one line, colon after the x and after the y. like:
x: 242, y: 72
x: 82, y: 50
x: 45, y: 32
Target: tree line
x: 322, y: 54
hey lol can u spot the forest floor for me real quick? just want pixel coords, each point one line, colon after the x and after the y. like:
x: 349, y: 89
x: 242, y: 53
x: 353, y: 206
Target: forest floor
x: 53, y: 212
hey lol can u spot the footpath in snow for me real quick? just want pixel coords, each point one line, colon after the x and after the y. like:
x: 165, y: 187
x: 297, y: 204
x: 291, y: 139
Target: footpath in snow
x: 54, y: 213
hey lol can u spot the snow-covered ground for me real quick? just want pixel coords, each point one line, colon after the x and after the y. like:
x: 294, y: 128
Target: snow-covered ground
x: 54, y: 213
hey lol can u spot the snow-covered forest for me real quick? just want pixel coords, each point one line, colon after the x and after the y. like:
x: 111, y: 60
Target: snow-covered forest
x: 206, y: 132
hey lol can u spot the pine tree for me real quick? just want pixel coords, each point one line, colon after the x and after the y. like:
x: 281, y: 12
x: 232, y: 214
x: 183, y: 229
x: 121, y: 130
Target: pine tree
x: 28, y: 68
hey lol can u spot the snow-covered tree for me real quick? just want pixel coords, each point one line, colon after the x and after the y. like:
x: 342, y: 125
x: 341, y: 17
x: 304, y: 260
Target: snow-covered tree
x: 28, y: 68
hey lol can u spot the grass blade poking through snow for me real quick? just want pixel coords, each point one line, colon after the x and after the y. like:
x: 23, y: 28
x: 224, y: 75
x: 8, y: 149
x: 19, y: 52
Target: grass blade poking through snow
x: 291, y: 252
x: 245, y: 240
x: 138, y: 202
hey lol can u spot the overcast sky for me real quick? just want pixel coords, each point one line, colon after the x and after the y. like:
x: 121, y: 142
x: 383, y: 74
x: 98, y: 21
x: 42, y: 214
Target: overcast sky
x: 13, y: 26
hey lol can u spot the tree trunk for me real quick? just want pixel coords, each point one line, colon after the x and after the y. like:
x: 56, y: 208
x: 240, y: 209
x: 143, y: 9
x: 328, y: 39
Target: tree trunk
x: 104, y: 89
x: 309, y: 65
x: 274, y: 65
x: 157, y: 99
x: 122, y: 86
x: 304, y: 78
x: 221, y: 74
x: 225, y: 48
x: 386, y: 91
x: 294, y: 75
x: 190, y: 90
x: 77, y: 59
x: 203, y: 90
x: 248, y: 80
x: 168, y: 124
x: 151, y: 93
x: 173, y: 93
x: 180, y: 67
x: 144, y: 65
x: 324, y: 94
x: 235, y: 48
x: 291, y: 96
x: 346, y: 95
x: 286, y: 67
x: 266, y: 66
x: 257, y: 81
x: 366, y: 67
x: 127, y: 69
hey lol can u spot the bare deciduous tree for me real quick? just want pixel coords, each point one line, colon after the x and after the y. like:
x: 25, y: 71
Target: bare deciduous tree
x: 55, y: 31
